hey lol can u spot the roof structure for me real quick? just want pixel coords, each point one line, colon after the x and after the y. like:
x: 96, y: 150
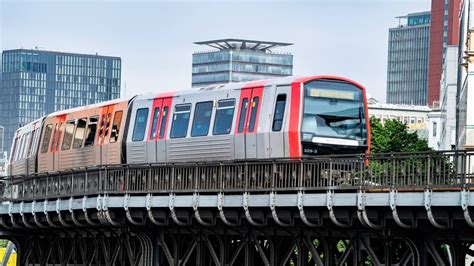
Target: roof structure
x: 236, y: 44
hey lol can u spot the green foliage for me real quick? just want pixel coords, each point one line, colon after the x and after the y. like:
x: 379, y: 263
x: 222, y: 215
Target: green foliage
x: 393, y: 136
x: 3, y: 243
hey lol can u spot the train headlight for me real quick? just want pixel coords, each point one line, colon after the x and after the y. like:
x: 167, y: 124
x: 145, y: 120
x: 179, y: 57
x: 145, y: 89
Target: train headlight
x: 307, y: 137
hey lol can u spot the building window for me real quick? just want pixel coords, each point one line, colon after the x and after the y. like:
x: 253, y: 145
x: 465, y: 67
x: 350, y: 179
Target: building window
x: 279, y: 112
x: 224, y: 117
x: 435, y: 128
x: 202, y: 119
x: 179, y: 128
x: 140, y: 124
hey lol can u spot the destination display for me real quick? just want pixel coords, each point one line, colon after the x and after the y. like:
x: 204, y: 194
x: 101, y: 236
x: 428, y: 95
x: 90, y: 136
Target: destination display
x: 334, y: 94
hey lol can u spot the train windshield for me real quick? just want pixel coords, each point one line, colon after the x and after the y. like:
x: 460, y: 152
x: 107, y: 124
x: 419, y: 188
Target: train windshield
x: 333, y: 109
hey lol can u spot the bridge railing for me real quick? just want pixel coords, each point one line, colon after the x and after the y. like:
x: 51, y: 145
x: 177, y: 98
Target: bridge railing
x: 448, y: 170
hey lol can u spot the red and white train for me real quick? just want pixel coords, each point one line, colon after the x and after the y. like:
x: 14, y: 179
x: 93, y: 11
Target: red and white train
x: 287, y: 117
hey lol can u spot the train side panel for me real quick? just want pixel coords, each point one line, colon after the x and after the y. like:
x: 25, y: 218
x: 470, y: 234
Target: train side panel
x: 199, y: 141
x: 137, y: 148
x: 24, y: 150
x: 83, y: 137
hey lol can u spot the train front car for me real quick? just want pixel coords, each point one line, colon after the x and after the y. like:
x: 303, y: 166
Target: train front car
x: 334, y: 117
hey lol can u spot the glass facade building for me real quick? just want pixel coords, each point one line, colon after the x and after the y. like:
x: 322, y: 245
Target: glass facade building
x: 239, y: 60
x: 35, y: 83
x: 408, y: 61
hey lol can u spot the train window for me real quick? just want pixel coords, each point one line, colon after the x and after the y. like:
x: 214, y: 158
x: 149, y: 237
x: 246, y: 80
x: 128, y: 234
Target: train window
x: 20, y: 150
x: 79, y: 134
x: 91, y: 130
x: 163, y: 122
x: 140, y: 124
x: 279, y: 112
x: 47, y: 138
x: 68, y: 132
x: 202, y: 119
x: 101, y: 130
x: 224, y: 116
x: 30, y: 146
x: 107, y: 125
x: 114, y: 133
x: 156, y: 116
x: 12, y: 157
x: 54, y: 143
x: 243, y: 114
x: 179, y: 128
x: 253, y: 115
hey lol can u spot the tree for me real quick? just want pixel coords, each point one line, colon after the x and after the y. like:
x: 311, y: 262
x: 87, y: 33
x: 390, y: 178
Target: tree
x: 394, y: 136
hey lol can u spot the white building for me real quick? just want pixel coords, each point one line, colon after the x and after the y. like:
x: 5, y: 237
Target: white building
x: 415, y: 117
x: 465, y: 91
x: 442, y: 120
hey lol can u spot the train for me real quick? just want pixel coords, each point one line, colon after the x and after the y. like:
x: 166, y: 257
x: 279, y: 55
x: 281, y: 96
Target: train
x: 289, y: 117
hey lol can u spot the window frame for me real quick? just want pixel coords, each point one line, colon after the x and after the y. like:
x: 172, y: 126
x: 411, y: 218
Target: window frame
x: 194, y: 123
x: 72, y: 134
x: 253, y: 115
x: 155, y: 122
x: 44, y: 144
x: 243, y: 115
x: 275, y: 112
x: 164, y: 120
x: 74, y: 139
x: 118, y: 125
x: 224, y: 108
x: 92, y: 142
x: 134, y: 132
x: 174, y: 120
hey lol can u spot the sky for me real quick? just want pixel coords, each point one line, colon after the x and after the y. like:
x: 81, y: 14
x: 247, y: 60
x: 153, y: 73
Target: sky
x: 155, y: 38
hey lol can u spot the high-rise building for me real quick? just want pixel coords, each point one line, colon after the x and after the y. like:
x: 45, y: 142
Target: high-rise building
x: 234, y: 60
x: 36, y: 83
x: 444, y: 31
x: 408, y: 55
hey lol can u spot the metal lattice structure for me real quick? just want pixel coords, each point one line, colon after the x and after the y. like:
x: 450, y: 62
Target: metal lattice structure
x: 405, y: 209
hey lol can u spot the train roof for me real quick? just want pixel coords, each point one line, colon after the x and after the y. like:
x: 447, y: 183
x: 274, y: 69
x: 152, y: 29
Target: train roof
x: 238, y: 85
x: 85, y: 107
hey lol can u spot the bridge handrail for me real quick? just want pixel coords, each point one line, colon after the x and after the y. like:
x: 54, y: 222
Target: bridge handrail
x: 445, y: 169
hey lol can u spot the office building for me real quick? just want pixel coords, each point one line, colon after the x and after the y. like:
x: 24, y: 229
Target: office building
x: 415, y: 117
x: 36, y: 83
x: 408, y: 57
x: 444, y: 31
x: 235, y: 60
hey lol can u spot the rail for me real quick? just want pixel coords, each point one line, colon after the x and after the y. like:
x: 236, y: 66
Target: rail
x: 409, y: 171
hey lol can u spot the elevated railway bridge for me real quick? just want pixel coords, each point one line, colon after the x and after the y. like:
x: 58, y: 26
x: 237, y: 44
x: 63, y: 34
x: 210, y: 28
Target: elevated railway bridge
x: 386, y: 209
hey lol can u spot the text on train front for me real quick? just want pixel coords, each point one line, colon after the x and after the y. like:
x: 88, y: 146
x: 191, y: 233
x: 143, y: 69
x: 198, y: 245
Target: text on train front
x: 333, y: 118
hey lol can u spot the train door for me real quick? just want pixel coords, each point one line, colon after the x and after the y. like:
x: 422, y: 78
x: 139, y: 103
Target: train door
x: 55, y: 143
x: 278, y: 126
x: 103, y: 148
x: 114, y: 146
x: 161, y: 129
x: 155, y: 115
x: 247, y: 123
